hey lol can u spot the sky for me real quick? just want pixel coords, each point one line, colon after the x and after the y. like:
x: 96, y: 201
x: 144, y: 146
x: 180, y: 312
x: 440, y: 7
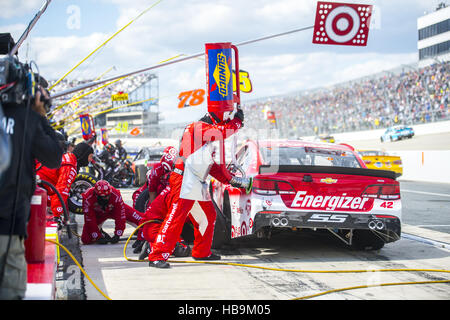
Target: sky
x: 69, y: 30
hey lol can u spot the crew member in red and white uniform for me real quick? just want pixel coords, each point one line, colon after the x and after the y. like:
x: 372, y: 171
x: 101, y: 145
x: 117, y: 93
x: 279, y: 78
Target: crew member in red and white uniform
x: 63, y: 177
x: 158, y: 176
x: 155, y: 214
x: 189, y: 190
x: 103, y: 202
x: 157, y: 181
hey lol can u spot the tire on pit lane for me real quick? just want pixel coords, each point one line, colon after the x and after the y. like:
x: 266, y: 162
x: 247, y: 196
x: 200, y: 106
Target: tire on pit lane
x: 83, y: 181
x: 366, y: 240
x: 222, y: 228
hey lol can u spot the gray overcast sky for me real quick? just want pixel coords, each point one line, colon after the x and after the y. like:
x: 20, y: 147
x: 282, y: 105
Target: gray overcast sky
x: 70, y: 30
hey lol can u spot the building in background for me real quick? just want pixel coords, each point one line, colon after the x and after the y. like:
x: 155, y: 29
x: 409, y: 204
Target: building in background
x: 434, y: 36
x: 136, y: 112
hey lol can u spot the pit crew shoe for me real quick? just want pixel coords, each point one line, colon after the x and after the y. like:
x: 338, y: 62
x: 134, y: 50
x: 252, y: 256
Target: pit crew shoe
x: 212, y: 256
x: 182, y: 250
x: 161, y: 264
x: 145, y: 252
x: 137, y: 245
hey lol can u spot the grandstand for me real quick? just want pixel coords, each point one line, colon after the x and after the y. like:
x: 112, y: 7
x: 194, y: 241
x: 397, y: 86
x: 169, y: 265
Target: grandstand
x: 410, y: 95
x: 141, y: 104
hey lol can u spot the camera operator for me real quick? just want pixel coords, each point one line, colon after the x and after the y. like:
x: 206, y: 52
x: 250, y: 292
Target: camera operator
x: 31, y: 138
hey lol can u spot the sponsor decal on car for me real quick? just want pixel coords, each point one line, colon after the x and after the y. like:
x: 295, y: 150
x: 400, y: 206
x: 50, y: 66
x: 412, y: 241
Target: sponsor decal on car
x: 343, y: 202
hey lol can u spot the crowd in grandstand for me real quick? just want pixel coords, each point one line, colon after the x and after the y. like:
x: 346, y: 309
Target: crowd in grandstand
x: 98, y: 100
x: 412, y: 96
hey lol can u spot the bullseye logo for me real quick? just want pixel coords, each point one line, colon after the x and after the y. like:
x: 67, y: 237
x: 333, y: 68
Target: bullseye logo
x: 342, y: 23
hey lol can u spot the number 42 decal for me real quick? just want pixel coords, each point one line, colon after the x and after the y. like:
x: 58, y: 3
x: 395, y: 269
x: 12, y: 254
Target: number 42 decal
x: 387, y: 205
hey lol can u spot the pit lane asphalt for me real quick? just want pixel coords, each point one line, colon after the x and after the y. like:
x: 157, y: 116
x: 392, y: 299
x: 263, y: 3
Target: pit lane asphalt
x: 425, y: 229
x: 124, y: 280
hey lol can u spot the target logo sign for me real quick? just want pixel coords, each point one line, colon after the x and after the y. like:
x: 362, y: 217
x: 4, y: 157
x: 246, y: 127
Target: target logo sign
x: 342, y: 23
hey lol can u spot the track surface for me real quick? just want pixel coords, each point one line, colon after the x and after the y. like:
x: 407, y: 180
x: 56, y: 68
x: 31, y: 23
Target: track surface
x: 439, y: 141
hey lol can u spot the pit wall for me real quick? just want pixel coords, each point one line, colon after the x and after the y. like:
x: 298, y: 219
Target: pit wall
x: 427, y: 166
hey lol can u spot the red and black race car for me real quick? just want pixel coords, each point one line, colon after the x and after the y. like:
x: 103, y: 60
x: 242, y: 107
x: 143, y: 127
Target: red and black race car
x: 300, y: 184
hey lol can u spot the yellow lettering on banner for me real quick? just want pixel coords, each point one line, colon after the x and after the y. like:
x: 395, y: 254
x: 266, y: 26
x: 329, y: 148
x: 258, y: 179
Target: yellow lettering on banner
x: 245, y: 84
x: 122, y: 127
x: 120, y: 97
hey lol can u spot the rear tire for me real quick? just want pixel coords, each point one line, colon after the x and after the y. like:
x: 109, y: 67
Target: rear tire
x: 82, y: 182
x: 366, y: 240
x: 222, y: 228
x: 142, y: 201
x: 140, y: 176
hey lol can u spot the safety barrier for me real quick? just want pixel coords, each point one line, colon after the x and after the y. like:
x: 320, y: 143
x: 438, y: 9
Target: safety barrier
x: 41, y: 276
x: 427, y: 166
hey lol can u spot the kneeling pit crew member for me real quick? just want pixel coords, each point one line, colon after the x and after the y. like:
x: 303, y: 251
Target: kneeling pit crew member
x: 103, y: 202
x: 63, y: 177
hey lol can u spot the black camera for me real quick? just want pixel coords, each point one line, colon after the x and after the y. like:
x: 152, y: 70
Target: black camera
x: 17, y: 80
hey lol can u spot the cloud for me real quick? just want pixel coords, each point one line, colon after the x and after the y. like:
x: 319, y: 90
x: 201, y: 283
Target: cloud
x: 16, y: 30
x: 11, y: 9
x: 278, y: 66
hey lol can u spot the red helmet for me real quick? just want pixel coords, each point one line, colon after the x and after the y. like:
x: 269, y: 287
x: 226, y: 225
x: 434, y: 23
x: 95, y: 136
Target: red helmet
x: 168, y: 158
x: 102, y: 188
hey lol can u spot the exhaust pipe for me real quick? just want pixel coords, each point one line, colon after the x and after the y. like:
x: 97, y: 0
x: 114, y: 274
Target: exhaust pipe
x: 376, y: 225
x: 380, y: 225
x: 276, y: 222
x: 372, y: 225
x: 284, y: 222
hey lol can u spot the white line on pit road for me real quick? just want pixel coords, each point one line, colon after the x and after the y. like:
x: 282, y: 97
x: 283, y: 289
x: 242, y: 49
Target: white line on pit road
x: 434, y: 243
x: 429, y: 193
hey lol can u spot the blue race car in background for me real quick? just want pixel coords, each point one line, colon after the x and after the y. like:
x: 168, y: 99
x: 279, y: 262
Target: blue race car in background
x: 397, y: 133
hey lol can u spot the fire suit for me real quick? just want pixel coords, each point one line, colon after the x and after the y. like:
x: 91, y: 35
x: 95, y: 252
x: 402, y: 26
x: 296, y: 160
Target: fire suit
x: 156, y: 211
x: 95, y: 215
x: 62, y: 178
x: 157, y: 181
x: 189, y: 190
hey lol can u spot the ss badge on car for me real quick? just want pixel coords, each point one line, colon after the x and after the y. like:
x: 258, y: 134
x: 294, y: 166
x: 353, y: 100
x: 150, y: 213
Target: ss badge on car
x: 321, y: 217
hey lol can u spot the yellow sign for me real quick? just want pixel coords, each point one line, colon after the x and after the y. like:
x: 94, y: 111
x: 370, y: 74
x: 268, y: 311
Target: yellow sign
x: 245, y: 84
x: 122, y: 127
x: 121, y: 96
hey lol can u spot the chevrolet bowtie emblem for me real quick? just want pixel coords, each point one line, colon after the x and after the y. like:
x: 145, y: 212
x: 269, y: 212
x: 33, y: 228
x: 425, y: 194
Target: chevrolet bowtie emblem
x: 328, y: 180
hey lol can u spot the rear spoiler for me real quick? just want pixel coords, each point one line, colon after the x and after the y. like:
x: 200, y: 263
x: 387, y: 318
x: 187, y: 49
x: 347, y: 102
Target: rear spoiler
x: 331, y: 170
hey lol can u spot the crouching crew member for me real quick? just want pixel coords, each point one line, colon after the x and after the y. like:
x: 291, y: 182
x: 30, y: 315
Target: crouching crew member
x: 103, y: 202
x: 157, y: 177
x: 63, y: 177
x: 155, y: 214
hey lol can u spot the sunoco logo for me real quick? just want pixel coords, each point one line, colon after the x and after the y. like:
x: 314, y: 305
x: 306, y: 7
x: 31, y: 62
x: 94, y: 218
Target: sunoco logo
x: 222, y: 74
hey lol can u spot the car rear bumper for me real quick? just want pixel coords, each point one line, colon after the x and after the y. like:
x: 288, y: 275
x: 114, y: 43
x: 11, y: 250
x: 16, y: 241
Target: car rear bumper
x: 323, y: 220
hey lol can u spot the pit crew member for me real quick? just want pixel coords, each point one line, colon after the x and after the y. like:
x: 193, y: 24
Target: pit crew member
x: 188, y: 187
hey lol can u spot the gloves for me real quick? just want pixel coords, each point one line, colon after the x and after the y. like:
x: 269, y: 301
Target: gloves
x: 245, y: 183
x: 115, y: 239
x: 240, y: 115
